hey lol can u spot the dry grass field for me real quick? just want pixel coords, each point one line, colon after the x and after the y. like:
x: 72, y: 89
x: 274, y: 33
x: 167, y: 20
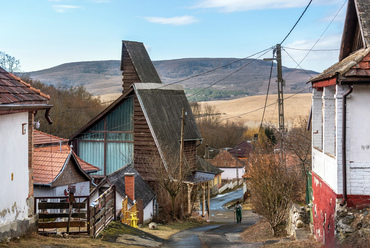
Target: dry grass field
x: 248, y: 110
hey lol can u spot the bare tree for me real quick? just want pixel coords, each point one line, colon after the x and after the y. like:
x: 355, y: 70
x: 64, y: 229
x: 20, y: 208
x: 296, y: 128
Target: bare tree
x: 273, y: 188
x: 9, y: 63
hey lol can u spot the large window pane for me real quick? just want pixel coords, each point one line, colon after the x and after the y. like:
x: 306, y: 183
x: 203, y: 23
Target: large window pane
x: 121, y: 119
x: 120, y: 136
x: 93, y: 153
x: 118, y: 155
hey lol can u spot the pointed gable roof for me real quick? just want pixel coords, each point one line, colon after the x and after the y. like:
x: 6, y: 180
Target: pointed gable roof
x: 17, y: 96
x: 50, y: 162
x: 354, y: 50
x: 242, y: 149
x: 162, y: 107
x: 226, y: 160
x: 356, y: 33
x: 134, y: 53
x: 50, y: 143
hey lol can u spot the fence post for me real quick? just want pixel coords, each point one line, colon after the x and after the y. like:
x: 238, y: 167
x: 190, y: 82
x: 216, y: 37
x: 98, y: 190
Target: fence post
x: 114, y: 203
x: 88, y: 215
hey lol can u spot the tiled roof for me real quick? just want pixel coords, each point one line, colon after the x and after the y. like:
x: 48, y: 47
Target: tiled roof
x: 48, y: 163
x: 14, y: 91
x: 205, y: 166
x: 226, y: 160
x: 242, y: 149
x: 41, y: 138
x: 356, y: 64
x: 47, y: 141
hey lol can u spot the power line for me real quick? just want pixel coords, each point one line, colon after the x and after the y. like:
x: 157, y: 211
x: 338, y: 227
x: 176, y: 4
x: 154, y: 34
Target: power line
x: 312, y: 50
x: 298, y: 64
x: 296, y: 22
x: 268, y: 88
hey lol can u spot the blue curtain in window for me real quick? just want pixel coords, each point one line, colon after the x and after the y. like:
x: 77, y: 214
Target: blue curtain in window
x: 93, y: 153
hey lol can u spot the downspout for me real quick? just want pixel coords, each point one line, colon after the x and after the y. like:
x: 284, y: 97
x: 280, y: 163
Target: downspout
x: 47, y: 116
x: 344, y: 137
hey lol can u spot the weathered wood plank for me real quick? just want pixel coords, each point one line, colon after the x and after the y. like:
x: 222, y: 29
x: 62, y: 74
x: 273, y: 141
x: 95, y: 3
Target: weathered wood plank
x: 61, y: 215
x: 59, y: 205
x: 61, y: 224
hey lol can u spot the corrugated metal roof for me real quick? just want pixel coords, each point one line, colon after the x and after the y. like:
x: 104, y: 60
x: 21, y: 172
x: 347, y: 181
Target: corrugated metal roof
x: 162, y: 106
x: 141, y: 60
x: 14, y: 91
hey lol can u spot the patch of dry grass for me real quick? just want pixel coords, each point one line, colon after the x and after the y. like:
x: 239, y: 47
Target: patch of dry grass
x: 261, y: 232
x: 35, y: 240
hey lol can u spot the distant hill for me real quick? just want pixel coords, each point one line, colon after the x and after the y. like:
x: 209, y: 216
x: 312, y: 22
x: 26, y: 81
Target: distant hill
x: 104, y: 77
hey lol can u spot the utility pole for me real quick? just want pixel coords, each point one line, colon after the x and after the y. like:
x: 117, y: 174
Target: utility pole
x: 281, y: 83
x: 280, y: 91
x: 181, y: 157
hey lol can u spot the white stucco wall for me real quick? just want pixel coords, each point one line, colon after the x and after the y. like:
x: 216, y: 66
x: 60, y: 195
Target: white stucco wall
x: 358, y: 142
x: 13, y: 159
x: 329, y: 167
x: 149, y: 212
x: 82, y: 188
x: 232, y: 173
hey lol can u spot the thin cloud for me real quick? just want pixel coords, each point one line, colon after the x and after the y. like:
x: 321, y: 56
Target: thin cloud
x: 176, y: 21
x: 64, y: 8
x: 245, y: 5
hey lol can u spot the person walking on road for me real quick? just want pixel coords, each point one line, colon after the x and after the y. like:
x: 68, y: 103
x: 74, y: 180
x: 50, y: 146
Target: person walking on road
x: 238, y: 212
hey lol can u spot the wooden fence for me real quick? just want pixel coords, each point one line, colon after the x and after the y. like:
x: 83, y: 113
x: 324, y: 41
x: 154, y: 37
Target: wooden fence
x: 57, y: 214
x: 102, y: 211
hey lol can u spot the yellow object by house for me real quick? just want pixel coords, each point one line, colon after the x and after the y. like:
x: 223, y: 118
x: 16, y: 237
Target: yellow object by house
x: 129, y: 214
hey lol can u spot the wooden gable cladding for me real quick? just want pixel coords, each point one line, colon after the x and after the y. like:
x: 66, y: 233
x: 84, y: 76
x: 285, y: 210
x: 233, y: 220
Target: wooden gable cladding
x: 129, y: 74
x: 144, y: 145
x: 190, y: 152
x: 70, y: 175
x: 360, y: 69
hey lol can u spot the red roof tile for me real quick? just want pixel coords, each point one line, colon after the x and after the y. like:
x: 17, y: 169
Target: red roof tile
x: 47, y: 140
x: 226, y: 160
x: 41, y: 138
x: 48, y: 163
x: 14, y: 91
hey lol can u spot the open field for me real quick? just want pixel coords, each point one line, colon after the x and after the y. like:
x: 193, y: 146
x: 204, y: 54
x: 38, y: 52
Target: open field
x: 248, y: 110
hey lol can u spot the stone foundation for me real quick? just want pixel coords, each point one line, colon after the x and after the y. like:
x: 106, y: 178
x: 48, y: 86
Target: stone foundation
x: 17, y: 228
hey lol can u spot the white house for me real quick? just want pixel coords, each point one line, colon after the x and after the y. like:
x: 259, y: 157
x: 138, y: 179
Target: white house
x: 18, y: 105
x: 340, y: 127
x: 232, y: 167
x: 130, y: 184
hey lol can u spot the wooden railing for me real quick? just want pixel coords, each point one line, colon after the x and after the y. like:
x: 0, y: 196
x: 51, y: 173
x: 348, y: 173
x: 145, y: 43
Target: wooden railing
x: 102, y: 211
x: 57, y: 214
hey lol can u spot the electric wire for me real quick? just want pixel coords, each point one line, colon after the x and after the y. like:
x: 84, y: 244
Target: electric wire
x: 267, y: 94
x: 291, y: 30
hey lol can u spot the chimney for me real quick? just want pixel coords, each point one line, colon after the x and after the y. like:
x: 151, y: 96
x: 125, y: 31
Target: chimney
x: 130, y: 185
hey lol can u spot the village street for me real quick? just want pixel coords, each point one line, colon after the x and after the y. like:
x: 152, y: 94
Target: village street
x: 224, y: 233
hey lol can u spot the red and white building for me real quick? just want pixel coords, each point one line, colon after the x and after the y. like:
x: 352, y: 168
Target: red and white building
x: 340, y: 127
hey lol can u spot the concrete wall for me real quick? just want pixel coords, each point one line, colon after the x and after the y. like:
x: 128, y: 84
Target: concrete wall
x: 232, y: 173
x: 14, y: 177
x: 82, y: 188
x: 149, y: 212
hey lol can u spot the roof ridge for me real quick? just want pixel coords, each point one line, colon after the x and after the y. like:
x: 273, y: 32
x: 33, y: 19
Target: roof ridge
x: 29, y: 86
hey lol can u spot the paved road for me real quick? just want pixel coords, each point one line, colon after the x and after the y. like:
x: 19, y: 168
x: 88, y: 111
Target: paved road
x: 226, y: 233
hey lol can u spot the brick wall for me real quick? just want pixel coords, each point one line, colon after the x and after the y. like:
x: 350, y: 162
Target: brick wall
x: 329, y: 128
x: 317, y: 119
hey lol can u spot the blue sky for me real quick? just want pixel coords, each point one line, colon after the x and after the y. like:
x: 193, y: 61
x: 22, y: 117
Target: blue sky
x: 47, y: 33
